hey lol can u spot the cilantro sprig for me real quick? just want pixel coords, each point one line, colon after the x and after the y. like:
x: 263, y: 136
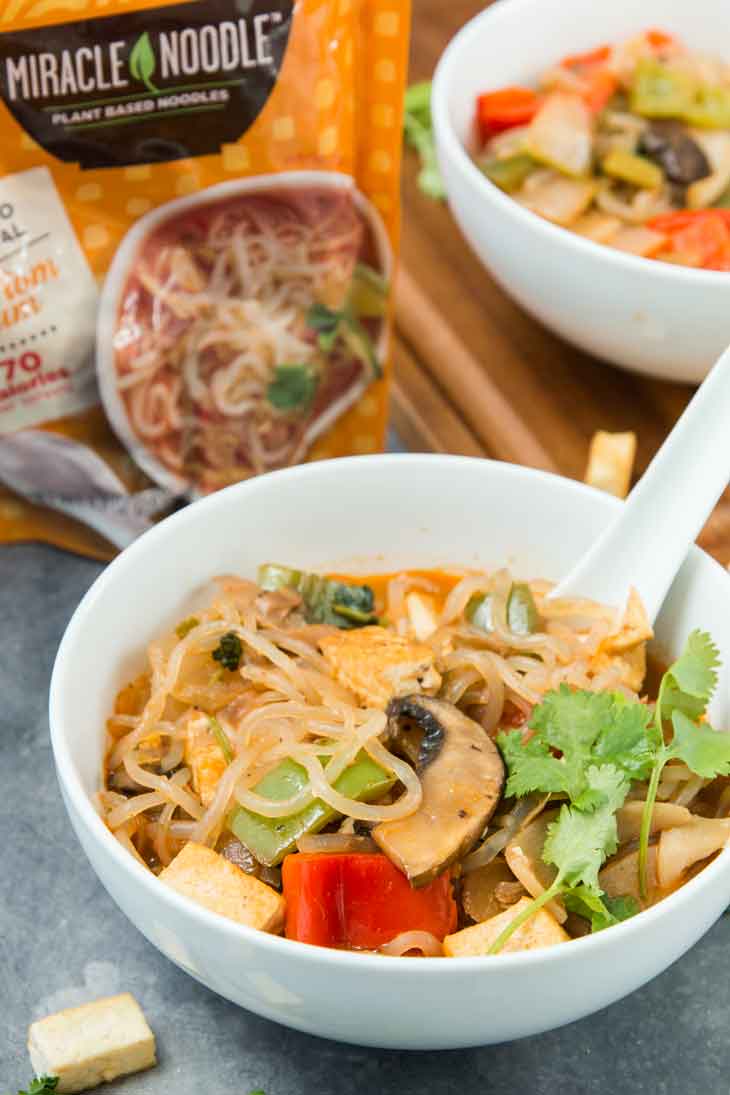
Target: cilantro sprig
x: 585, y: 728
x: 684, y: 693
x: 578, y: 843
x: 589, y: 747
x: 42, y: 1085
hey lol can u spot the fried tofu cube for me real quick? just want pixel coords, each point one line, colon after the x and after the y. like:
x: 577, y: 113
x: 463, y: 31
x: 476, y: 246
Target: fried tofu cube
x: 92, y: 1044
x: 204, y: 757
x: 625, y: 649
x: 634, y: 628
x: 376, y: 664
x: 611, y: 462
x: 541, y: 930
x: 204, y: 876
x: 422, y: 614
x: 631, y: 666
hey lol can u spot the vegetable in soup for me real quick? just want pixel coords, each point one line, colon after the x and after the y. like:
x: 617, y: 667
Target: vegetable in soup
x: 627, y: 145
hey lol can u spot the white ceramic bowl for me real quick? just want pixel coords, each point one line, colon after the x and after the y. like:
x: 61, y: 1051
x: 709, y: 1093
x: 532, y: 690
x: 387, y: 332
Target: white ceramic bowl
x: 371, y: 513
x: 128, y: 253
x: 667, y: 321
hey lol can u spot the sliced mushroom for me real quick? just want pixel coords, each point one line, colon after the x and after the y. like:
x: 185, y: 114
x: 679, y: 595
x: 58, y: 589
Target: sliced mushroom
x: 716, y: 146
x: 665, y: 815
x: 669, y: 145
x: 479, y: 889
x: 462, y: 775
x: 524, y: 858
x: 680, y: 849
x: 620, y: 877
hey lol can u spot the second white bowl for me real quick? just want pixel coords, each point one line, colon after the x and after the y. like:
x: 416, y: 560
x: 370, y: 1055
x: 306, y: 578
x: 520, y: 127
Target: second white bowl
x: 667, y: 321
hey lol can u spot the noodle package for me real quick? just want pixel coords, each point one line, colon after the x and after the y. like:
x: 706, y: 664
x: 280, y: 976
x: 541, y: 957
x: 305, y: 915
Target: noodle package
x: 199, y: 208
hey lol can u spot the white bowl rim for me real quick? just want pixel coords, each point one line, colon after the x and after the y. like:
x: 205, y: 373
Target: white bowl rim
x: 440, y: 108
x: 128, y: 251
x: 212, y: 922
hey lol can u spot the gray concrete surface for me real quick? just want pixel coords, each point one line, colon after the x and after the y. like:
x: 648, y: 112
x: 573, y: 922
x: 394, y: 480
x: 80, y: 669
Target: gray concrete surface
x: 63, y: 941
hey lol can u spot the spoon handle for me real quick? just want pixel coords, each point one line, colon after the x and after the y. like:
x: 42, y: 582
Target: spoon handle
x: 646, y: 543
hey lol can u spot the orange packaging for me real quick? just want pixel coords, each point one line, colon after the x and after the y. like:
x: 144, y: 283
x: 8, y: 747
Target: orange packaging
x: 199, y: 212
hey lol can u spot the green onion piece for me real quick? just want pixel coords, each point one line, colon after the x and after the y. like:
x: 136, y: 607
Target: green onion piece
x: 222, y: 738
x: 658, y: 91
x: 186, y: 626
x: 510, y: 173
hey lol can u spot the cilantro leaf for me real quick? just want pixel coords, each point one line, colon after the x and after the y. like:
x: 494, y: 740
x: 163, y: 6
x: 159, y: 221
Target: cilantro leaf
x: 688, y: 685
x: 705, y: 751
x: 624, y: 741
x: 578, y: 841
x: 292, y: 388
x: 586, y: 728
x: 532, y: 767
x: 601, y: 910
x: 622, y: 907
x: 42, y: 1085
x: 684, y: 693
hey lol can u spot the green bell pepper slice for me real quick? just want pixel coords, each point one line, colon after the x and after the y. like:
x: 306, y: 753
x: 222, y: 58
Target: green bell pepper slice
x: 710, y: 108
x: 325, y: 601
x: 522, y: 615
x: 658, y: 91
x: 269, y: 839
x: 630, y: 168
x: 510, y: 173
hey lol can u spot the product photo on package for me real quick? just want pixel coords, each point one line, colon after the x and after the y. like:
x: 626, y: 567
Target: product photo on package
x: 199, y: 218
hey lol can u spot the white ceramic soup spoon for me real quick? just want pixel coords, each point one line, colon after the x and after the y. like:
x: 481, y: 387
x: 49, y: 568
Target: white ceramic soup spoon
x: 646, y: 544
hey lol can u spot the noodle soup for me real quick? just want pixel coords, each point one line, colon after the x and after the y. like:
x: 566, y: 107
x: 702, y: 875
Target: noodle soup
x: 434, y: 762
x: 246, y: 323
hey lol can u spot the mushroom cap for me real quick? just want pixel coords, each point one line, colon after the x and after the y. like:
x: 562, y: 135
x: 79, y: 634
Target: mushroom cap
x: 462, y: 775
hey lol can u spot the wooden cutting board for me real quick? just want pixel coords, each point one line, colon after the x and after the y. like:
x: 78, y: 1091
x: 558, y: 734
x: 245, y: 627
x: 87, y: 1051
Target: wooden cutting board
x: 560, y: 394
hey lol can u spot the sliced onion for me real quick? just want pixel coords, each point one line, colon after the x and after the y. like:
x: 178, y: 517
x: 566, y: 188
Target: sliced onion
x: 170, y: 791
x: 561, y: 134
x: 524, y: 811
x: 335, y: 843
x: 425, y: 942
x: 558, y: 198
x: 680, y: 848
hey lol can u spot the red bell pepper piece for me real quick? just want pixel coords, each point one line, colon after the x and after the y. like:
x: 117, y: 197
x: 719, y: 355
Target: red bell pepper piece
x: 505, y: 109
x: 659, y: 39
x: 675, y: 222
x: 700, y: 236
x: 599, y: 83
x: 360, y: 900
x: 597, y: 56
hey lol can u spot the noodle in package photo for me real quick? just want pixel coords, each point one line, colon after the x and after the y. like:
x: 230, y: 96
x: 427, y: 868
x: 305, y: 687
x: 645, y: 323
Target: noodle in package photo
x: 199, y: 216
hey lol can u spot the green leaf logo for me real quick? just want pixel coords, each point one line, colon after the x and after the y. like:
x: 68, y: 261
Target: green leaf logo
x: 142, y: 61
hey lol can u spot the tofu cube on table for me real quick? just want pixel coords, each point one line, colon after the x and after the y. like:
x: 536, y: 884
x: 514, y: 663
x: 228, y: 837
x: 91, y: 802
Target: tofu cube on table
x: 92, y: 1044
